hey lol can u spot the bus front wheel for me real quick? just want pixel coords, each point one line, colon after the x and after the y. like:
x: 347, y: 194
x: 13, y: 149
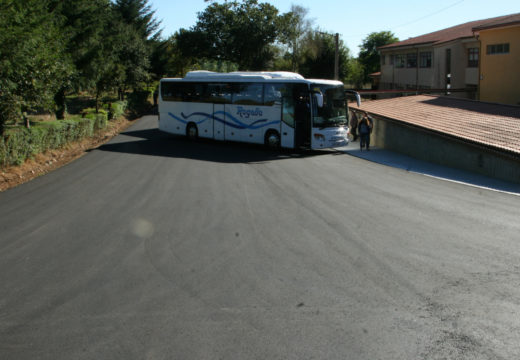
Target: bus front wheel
x: 191, y: 132
x: 272, y: 139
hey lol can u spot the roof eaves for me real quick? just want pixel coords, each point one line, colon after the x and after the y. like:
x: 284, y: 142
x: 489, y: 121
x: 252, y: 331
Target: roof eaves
x: 495, y: 26
x: 402, y: 46
x: 440, y: 42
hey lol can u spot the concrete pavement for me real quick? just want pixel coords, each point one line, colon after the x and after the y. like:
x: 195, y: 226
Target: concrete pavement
x: 407, y: 163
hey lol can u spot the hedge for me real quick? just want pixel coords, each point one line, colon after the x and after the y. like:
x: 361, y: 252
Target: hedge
x: 115, y: 109
x: 19, y: 143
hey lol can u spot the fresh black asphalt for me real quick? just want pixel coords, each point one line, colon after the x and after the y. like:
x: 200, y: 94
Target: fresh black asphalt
x: 154, y: 247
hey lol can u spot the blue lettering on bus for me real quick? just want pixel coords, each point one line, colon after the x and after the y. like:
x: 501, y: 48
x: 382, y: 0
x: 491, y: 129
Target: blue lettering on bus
x: 230, y: 120
x: 246, y: 113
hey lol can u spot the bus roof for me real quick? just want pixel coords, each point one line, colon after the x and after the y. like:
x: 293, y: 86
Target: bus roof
x: 323, y: 81
x: 246, y: 76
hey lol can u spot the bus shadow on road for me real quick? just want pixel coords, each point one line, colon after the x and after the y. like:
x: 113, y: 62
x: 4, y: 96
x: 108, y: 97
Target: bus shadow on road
x: 152, y: 142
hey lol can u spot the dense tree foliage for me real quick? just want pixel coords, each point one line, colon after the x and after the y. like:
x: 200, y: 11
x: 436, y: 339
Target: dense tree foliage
x: 50, y: 47
x: 32, y: 67
x: 139, y: 15
x: 239, y: 32
x: 319, y: 56
x: 369, y: 55
x: 355, y: 74
x: 255, y: 36
x: 297, y: 27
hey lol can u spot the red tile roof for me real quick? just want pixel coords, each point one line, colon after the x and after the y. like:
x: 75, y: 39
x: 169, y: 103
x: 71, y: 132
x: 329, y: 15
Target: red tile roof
x: 513, y: 19
x: 492, y: 125
x: 455, y: 32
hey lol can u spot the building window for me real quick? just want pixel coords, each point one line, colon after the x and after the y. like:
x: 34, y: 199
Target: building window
x: 425, y: 59
x: 391, y: 59
x: 473, y: 57
x: 411, y: 60
x: 400, y: 61
x: 497, y: 49
x: 383, y: 59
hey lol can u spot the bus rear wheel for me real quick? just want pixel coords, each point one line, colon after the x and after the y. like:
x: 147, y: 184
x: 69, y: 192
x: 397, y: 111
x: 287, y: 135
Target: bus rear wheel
x: 191, y: 132
x: 272, y: 140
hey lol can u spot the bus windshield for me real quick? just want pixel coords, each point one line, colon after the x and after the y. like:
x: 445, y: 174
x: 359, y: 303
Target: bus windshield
x: 333, y: 113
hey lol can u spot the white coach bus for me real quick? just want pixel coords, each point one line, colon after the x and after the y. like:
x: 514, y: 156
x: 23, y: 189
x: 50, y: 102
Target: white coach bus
x: 278, y: 109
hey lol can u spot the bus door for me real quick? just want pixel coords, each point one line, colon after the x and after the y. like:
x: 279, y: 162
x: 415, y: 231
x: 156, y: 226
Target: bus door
x: 302, y: 116
x: 217, y: 94
x: 219, y: 119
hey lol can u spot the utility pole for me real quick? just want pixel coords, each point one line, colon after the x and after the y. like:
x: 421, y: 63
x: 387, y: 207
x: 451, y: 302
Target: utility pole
x: 336, y: 54
x: 336, y: 58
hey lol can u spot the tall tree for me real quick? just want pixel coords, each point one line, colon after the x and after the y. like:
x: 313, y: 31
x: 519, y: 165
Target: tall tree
x: 133, y: 54
x: 85, y: 24
x: 319, y: 57
x: 242, y: 32
x: 296, y: 25
x: 158, y: 58
x: 136, y: 32
x: 369, y: 55
x: 355, y: 76
x: 33, y: 64
x: 139, y: 15
x: 177, y: 62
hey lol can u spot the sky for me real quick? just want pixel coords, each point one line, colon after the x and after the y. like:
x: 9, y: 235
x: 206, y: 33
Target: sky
x: 354, y: 20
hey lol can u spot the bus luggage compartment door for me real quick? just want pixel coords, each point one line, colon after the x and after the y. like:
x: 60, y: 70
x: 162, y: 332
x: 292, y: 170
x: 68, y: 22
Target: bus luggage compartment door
x: 219, y: 119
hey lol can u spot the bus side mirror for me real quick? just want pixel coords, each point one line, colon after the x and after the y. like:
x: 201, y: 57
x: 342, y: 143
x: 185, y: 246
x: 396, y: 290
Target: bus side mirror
x: 358, y: 99
x: 356, y: 94
x: 319, y: 99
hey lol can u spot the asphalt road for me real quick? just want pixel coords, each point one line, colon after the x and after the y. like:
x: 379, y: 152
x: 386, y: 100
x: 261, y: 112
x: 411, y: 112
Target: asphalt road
x: 153, y: 247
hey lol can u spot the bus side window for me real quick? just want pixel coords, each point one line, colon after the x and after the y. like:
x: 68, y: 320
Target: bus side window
x: 272, y: 94
x: 193, y: 92
x: 166, y: 91
x: 248, y: 94
x: 288, y: 104
x: 186, y: 91
x: 214, y: 94
x: 170, y: 91
x: 227, y: 91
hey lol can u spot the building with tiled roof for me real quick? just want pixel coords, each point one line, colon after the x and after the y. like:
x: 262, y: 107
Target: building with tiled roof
x: 448, y: 58
x: 491, y: 125
x: 471, y: 135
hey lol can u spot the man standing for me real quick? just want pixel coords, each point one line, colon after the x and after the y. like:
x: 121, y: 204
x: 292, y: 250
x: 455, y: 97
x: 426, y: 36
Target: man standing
x: 364, y: 130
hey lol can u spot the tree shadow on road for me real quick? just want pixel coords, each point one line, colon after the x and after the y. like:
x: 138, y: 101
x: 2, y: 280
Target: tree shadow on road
x: 152, y: 142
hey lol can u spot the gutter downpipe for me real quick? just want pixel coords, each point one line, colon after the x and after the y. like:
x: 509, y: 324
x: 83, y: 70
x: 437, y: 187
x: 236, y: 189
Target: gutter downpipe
x: 479, y: 64
x: 417, y: 72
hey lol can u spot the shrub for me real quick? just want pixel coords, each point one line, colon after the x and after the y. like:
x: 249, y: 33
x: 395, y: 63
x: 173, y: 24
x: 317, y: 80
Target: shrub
x: 115, y: 109
x: 139, y: 103
x: 89, y: 111
x: 19, y: 143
